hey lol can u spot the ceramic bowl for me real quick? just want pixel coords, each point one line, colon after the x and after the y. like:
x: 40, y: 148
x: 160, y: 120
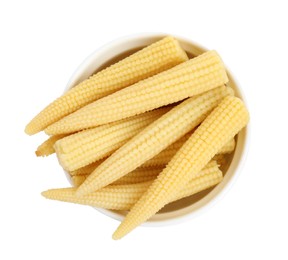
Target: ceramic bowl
x: 188, y: 207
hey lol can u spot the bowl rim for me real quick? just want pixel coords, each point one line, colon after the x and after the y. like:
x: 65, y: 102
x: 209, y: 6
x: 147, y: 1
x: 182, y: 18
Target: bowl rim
x: 245, y: 147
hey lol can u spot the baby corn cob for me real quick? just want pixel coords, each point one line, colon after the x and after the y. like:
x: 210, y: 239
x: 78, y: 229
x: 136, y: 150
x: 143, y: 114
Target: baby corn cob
x: 228, y: 147
x: 219, y: 127
x: 117, y: 197
x: 154, y: 138
x: 47, y: 147
x: 159, y: 160
x: 86, y: 170
x: 136, y: 176
x: 166, y: 155
x: 149, y: 61
x: 85, y: 147
x: 198, y: 184
x: 123, y: 197
x: 142, y: 175
x: 190, y: 78
x: 139, y: 175
x: 77, y: 180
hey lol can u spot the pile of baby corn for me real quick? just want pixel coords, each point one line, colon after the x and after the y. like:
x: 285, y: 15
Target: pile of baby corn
x: 151, y: 129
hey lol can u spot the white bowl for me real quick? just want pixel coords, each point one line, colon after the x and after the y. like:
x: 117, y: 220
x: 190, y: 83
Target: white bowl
x: 189, y: 207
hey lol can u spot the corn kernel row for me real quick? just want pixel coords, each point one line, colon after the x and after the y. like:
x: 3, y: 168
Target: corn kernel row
x: 226, y: 120
x: 83, y: 148
x: 153, y: 139
x: 190, y: 78
x: 155, y: 58
x: 123, y: 197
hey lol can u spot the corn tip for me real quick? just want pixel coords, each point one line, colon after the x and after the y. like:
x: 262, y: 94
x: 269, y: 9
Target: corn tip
x: 45, y: 194
x: 116, y: 236
x: 38, y: 153
x: 180, y: 49
x: 28, y: 130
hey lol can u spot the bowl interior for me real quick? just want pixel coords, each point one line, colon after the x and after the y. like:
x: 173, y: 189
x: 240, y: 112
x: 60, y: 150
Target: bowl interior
x: 183, y: 208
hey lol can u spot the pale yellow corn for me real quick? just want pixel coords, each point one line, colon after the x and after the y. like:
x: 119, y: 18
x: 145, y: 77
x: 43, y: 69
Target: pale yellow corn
x: 117, y: 197
x: 155, y: 58
x: 80, y: 149
x: 123, y: 197
x: 139, y: 175
x: 77, y: 180
x: 190, y: 78
x: 160, y: 159
x: 154, y: 138
x: 47, y: 147
x: 86, y: 170
x: 205, y: 181
x: 228, y: 147
x: 143, y: 175
x: 218, y: 128
x: 136, y: 176
x: 166, y: 155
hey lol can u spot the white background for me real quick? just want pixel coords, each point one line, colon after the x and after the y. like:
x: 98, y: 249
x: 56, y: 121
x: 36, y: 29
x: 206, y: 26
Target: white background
x: 43, y: 42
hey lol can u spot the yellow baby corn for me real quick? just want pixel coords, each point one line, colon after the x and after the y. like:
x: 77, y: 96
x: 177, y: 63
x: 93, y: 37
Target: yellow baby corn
x: 86, y: 170
x: 143, y: 174
x: 47, y: 147
x: 123, y: 197
x: 190, y: 78
x: 166, y: 155
x: 155, y: 58
x: 198, y: 184
x: 117, y: 197
x: 136, y: 176
x: 139, y: 175
x: 85, y: 147
x: 77, y: 180
x: 154, y: 138
x: 160, y: 159
x: 228, y: 147
x: 218, y: 128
